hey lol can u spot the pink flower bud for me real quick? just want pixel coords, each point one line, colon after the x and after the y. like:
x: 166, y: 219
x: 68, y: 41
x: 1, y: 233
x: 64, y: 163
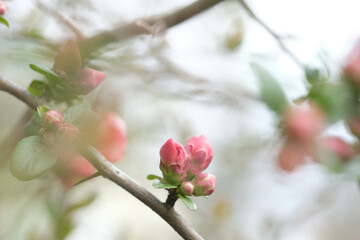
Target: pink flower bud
x: 304, y: 124
x: 174, y: 162
x: 200, y: 154
x: 2, y: 8
x: 87, y: 79
x: 111, y: 137
x: 52, y: 119
x: 291, y: 155
x: 187, y: 188
x: 67, y: 133
x: 204, y: 184
x: 338, y: 146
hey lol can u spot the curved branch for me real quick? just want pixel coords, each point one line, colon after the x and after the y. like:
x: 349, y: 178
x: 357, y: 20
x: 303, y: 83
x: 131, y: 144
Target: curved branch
x: 129, y: 30
x: 111, y: 172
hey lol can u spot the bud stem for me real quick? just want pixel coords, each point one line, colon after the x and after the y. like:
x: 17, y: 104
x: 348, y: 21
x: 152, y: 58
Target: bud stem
x: 171, y: 199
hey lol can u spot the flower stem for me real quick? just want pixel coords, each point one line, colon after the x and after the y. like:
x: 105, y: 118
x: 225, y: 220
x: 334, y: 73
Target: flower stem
x: 171, y: 199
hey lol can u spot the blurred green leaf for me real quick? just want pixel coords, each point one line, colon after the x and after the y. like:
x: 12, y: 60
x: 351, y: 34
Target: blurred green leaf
x: 153, y: 177
x: 42, y: 110
x: 4, y: 21
x: 31, y: 158
x: 80, y: 115
x: 313, y: 75
x: 271, y: 92
x: 37, y: 88
x: 161, y: 185
x: 45, y: 71
x: 33, y: 126
x: 188, y: 202
x: 82, y: 203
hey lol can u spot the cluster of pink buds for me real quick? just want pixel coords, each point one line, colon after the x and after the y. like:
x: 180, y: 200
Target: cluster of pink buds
x: 2, y: 8
x: 183, y: 166
x: 55, y: 130
x: 68, y: 67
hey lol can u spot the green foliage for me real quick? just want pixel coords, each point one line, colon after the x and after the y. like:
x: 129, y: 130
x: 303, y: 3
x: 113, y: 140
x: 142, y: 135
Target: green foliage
x: 42, y: 110
x: 153, y: 177
x: 188, y: 202
x: 80, y: 115
x: 37, y: 88
x: 162, y: 185
x: 4, y: 21
x: 33, y: 126
x: 271, y: 92
x: 31, y: 158
x: 313, y: 75
x: 44, y: 71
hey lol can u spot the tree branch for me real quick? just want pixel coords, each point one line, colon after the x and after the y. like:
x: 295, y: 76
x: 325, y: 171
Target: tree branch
x: 272, y: 33
x: 112, y: 173
x: 133, y: 29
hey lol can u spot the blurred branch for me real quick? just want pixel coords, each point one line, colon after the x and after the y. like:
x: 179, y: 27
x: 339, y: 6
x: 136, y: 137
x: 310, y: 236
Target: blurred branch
x: 278, y: 39
x: 61, y: 19
x: 111, y: 172
x: 143, y: 26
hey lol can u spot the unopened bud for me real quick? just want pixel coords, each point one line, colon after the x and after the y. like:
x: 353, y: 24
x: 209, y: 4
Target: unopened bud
x: 52, y: 119
x: 88, y: 79
x: 2, y: 8
x: 67, y: 133
x: 187, y: 188
x: 204, y: 184
x: 173, y: 162
x: 338, y: 146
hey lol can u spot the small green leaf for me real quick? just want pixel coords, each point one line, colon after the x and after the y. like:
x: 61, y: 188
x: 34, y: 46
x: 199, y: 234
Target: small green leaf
x: 80, y: 115
x: 37, y: 88
x: 4, y: 21
x: 42, y: 110
x: 33, y: 126
x: 31, y: 158
x: 44, y: 71
x: 271, y: 91
x: 161, y: 185
x: 82, y: 203
x: 188, y: 202
x: 153, y: 177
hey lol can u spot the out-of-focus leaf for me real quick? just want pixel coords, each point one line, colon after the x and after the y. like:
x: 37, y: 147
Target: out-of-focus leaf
x: 313, y: 75
x: 31, y: 158
x: 271, y: 92
x: 188, y: 202
x: 42, y: 110
x: 33, y: 126
x: 37, y: 88
x: 4, y: 21
x: 161, y: 185
x: 80, y: 115
x: 153, y: 177
x: 44, y: 71
x: 82, y: 203
x: 334, y: 99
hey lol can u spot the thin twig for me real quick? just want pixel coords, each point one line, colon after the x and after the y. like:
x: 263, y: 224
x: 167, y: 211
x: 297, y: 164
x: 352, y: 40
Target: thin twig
x: 273, y: 34
x: 111, y: 172
x: 138, y: 27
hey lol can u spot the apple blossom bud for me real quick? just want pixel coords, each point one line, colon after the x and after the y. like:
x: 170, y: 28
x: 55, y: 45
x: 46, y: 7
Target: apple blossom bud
x: 187, y: 188
x: 174, y: 162
x: 303, y: 124
x: 204, y: 184
x: 2, y: 8
x: 338, y: 146
x: 291, y: 155
x: 52, y: 119
x: 87, y: 79
x: 67, y: 133
x: 200, y: 154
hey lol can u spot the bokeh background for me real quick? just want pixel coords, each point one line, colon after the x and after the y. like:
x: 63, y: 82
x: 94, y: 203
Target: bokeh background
x: 189, y: 80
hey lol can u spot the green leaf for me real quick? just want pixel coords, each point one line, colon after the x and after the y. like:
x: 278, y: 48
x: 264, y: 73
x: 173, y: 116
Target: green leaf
x: 4, y: 21
x: 188, y: 202
x: 82, y: 203
x: 31, y: 158
x: 80, y: 115
x: 42, y: 110
x: 33, y: 126
x: 313, y: 75
x: 153, y: 177
x: 271, y: 92
x: 161, y: 185
x: 37, y: 88
x: 45, y: 71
